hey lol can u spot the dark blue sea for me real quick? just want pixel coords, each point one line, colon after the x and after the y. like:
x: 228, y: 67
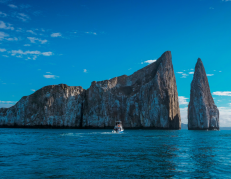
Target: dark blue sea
x: 70, y: 153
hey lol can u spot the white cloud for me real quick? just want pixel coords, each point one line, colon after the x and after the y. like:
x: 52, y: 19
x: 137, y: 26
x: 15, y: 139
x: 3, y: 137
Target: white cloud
x: 50, y: 76
x: 34, y: 54
x: 94, y: 33
x: 225, y: 116
x: 220, y: 71
x: 182, y: 100
x: 5, y: 55
x: 184, y: 75
x: 211, y: 8
x: 85, y: 70
x: 184, y: 115
x: 27, y: 45
x: 23, y: 17
x: 2, y: 50
x: 32, y: 89
x: 32, y: 32
x: 191, y: 73
x: 13, y: 6
x: 222, y: 93
x: 3, y: 35
x: 179, y: 72
x: 33, y: 39
x: 2, y: 14
x: 56, y: 35
x: 49, y: 72
x: 4, y: 26
x: 6, y: 105
x: 8, y: 102
x: 226, y: 0
x: 209, y: 74
x: 12, y: 39
x: 47, y: 53
x: 191, y: 69
x: 150, y: 61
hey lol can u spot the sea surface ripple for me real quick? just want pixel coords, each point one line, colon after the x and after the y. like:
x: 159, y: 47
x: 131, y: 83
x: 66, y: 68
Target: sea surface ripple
x: 80, y: 153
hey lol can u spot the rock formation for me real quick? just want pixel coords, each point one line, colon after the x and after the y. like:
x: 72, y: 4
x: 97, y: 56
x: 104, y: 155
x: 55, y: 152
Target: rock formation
x: 202, y: 111
x: 146, y: 99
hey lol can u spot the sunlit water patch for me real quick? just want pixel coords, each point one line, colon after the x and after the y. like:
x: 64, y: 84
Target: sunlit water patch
x: 54, y: 153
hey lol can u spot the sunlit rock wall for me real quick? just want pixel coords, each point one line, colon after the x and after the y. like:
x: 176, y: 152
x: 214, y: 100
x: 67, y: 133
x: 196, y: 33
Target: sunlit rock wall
x: 146, y: 99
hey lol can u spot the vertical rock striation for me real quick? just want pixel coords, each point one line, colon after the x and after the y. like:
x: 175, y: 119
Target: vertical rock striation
x: 51, y: 106
x: 146, y: 99
x: 202, y: 111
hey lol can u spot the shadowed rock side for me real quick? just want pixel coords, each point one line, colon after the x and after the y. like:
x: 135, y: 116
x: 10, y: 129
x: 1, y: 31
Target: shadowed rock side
x: 203, y: 114
x: 146, y: 99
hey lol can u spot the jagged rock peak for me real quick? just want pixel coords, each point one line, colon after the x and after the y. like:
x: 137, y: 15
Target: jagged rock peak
x: 146, y: 99
x: 202, y: 111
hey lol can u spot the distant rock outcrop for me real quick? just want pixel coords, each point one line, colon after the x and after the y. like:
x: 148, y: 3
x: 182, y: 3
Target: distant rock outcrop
x: 146, y: 99
x: 202, y: 111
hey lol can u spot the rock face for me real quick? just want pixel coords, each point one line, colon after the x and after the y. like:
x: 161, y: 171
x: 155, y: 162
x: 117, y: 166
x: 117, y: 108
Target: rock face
x: 146, y: 99
x: 202, y: 111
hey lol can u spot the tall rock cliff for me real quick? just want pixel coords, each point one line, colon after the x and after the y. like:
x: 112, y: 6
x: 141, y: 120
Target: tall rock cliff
x: 202, y: 111
x: 146, y: 99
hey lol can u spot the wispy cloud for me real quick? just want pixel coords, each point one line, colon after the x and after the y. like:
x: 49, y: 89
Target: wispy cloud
x: 148, y: 61
x: 3, y: 25
x: 184, y: 75
x: 23, y: 17
x: 85, y: 70
x: 56, y: 35
x: 32, y: 89
x: 222, y: 93
x: 180, y: 72
x: 2, y: 14
x: 34, y: 54
x: 191, y: 73
x: 225, y: 116
x: 211, y: 8
x: 13, y: 6
x: 32, y: 32
x: 50, y: 76
x: 182, y: 100
x: 27, y: 45
x: 226, y: 0
x: 209, y: 74
x: 33, y: 39
x: 3, y: 35
x: 8, y: 102
x: 184, y: 115
x: 94, y: 33
x: 47, y: 53
x: 12, y: 39
x: 2, y: 50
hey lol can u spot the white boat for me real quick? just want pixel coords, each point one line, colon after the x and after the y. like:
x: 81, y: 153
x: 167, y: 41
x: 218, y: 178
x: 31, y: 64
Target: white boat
x: 118, y: 127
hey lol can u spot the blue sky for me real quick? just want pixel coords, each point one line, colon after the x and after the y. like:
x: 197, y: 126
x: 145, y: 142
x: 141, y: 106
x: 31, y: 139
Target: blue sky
x: 79, y: 41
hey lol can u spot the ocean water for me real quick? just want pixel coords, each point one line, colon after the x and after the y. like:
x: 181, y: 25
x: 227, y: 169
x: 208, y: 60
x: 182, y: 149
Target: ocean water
x: 70, y: 153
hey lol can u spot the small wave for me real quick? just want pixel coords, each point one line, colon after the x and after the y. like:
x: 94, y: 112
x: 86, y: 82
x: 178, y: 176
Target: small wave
x: 71, y: 134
